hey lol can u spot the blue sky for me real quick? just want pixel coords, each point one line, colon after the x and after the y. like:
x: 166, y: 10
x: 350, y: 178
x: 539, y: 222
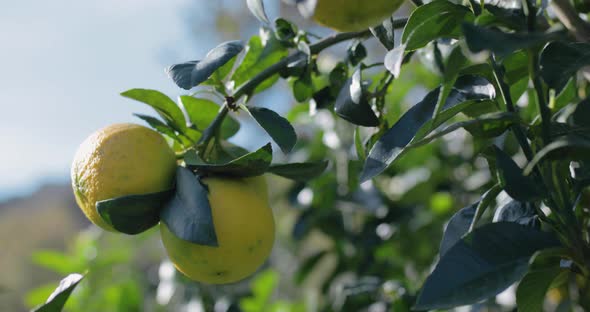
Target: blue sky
x: 64, y: 63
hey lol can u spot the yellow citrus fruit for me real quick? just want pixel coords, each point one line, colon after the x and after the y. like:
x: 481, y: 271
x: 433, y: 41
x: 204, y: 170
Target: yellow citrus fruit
x: 244, y: 226
x: 354, y: 15
x: 119, y: 160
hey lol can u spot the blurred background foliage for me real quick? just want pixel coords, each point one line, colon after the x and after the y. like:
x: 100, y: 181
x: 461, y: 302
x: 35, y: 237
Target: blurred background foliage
x: 339, y: 247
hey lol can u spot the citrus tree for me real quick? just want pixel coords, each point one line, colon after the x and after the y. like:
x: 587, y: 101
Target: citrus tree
x: 481, y: 105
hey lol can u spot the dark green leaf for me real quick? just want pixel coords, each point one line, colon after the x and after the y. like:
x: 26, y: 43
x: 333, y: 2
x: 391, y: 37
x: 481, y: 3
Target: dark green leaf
x: 303, y: 89
x: 494, y: 15
x: 191, y: 74
x: 352, y: 105
x: 512, y: 179
x: 133, y: 214
x: 252, y: 164
x: 257, y: 9
x: 437, y: 19
x: 457, y: 227
x: 201, y: 113
x: 523, y: 213
x: 285, y: 31
x: 188, y: 214
x: 308, y: 265
x: 482, y: 264
x: 560, y: 61
x: 356, y: 52
x: 160, y: 127
x: 571, y: 147
x: 299, y: 171
x: 58, y: 298
x: 279, y: 128
x: 163, y: 105
x: 581, y: 115
x: 500, y: 43
x: 389, y: 147
x: 385, y: 33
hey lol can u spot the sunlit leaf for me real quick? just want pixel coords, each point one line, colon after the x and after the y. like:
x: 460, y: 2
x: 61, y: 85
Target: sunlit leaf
x: 59, y: 297
x: 389, y: 147
x: 191, y: 74
x: 164, y: 106
x: 437, y: 19
x: 257, y: 9
x: 352, y: 104
x: 299, y: 171
x: 252, y: 164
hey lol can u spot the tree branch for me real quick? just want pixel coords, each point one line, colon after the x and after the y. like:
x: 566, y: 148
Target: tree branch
x: 270, y: 71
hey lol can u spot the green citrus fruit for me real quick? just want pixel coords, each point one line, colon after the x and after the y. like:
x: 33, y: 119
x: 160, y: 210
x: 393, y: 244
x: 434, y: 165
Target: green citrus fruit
x: 119, y: 160
x: 244, y: 226
x: 354, y: 15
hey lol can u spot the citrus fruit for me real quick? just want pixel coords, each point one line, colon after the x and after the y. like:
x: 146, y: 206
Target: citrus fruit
x: 244, y: 226
x: 119, y: 160
x: 354, y: 15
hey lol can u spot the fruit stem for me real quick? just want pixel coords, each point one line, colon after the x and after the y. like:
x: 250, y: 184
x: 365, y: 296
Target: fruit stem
x: 247, y: 88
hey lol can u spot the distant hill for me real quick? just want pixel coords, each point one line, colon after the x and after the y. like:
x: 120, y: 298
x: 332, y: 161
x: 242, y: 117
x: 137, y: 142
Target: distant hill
x: 46, y: 219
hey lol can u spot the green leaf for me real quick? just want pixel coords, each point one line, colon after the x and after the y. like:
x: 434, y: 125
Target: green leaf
x: 359, y: 145
x: 252, y: 164
x: 531, y: 291
x: 561, y: 60
x: 58, y: 298
x: 467, y: 90
x: 160, y: 127
x: 279, y: 128
x: 482, y: 264
x: 500, y: 43
x: 133, y: 214
x: 191, y: 74
x: 303, y: 89
x: 571, y: 147
x: 437, y: 19
x: 259, y: 56
x: 512, y: 179
x: 201, y: 113
x: 56, y: 261
x: 188, y: 214
x: 484, y: 126
x: 163, y: 105
x: 299, y: 171
x: 352, y: 104
x: 385, y: 33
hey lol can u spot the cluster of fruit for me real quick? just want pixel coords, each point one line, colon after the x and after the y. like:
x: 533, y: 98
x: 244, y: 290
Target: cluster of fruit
x: 127, y: 159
